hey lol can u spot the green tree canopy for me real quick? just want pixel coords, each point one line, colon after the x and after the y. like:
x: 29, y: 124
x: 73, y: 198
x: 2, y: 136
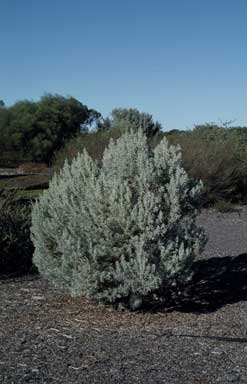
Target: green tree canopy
x: 130, y: 118
x: 35, y: 130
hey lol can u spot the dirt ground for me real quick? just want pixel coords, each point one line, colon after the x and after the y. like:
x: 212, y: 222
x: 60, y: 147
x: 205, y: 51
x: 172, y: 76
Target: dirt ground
x: 47, y: 337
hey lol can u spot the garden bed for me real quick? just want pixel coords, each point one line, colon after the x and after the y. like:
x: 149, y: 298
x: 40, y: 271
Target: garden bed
x: 47, y: 337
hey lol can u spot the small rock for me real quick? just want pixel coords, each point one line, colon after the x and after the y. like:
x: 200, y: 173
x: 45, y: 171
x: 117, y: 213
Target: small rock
x: 38, y: 297
x: 67, y: 336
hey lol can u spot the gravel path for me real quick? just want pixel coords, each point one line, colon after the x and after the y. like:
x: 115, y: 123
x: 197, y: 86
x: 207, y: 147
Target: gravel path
x: 47, y: 337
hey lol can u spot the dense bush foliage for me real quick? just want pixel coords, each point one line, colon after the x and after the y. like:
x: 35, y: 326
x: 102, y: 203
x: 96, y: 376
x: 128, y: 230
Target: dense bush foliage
x: 57, y: 128
x: 217, y: 156
x: 94, y: 142
x: 121, y: 120
x: 32, y: 131
x: 122, y: 231
x: 238, y: 135
x: 15, y: 243
x: 126, y: 119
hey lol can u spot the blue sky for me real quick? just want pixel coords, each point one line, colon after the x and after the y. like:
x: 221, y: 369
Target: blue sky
x: 183, y: 61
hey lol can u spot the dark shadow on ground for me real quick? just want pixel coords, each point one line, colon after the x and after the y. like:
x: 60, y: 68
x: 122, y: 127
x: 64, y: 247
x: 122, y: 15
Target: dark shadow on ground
x: 216, y: 282
x: 26, y: 274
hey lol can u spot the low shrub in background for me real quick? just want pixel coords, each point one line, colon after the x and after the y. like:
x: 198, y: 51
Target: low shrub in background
x: 16, y: 248
x: 210, y: 154
x: 238, y: 136
x: 121, y: 120
x: 122, y: 231
x: 94, y: 142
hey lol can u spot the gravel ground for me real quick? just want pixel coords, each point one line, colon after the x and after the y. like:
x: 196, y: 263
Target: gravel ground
x: 47, y: 337
x: 227, y: 232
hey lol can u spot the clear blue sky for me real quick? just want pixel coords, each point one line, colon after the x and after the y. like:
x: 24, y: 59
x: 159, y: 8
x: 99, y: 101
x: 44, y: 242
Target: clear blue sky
x: 183, y: 61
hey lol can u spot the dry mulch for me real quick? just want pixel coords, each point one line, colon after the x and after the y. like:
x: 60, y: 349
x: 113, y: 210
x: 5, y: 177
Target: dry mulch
x: 48, y: 337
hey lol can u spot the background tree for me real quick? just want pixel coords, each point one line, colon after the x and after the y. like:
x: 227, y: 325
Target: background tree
x: 35, y: 130
x: 130, y: 118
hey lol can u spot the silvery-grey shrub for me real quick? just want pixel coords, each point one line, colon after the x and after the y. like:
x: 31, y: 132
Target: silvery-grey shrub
x: 123, y: 230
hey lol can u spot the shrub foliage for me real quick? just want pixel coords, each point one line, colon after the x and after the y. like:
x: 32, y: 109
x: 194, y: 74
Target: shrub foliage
x: 15, y: 242
x: 212, y: 154
x: 126, y: 119
x: 123, y: 231
x: 94, y: 142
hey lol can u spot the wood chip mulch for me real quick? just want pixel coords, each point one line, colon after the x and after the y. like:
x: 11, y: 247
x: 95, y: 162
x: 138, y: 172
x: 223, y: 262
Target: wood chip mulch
x: 48, y: 337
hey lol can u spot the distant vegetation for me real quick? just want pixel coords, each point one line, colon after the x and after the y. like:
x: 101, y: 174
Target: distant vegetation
x: 56, y: 128
x: 214, y: 154
x: 218, y: 156
x: 32, y: 131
